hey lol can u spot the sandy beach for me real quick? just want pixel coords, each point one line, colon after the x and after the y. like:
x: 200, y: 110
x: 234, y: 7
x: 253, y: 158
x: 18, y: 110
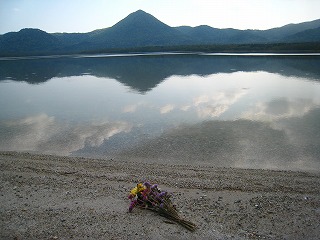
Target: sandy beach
x: 51, y: 197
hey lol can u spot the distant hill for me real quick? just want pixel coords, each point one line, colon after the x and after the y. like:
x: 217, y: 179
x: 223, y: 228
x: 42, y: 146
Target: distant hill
x: 28, y: 40
x: 208, y: 35
x: 284, y: 32
x: 309, y: 35
x: 142, y: 30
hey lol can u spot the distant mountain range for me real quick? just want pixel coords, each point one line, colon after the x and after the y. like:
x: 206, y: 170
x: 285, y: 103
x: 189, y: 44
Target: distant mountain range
x: 142, y: 31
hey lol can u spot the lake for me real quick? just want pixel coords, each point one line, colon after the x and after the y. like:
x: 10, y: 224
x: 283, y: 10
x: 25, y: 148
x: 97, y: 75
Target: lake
x: 220, y: 110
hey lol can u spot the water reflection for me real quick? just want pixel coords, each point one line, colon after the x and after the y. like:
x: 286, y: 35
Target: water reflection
x: 240, y: 143
x: 215, y: 105
x: 280, y: 108
x: 143, y: 73
x: 42, y: 133
x: 288, y: 144
x: 232, y: 111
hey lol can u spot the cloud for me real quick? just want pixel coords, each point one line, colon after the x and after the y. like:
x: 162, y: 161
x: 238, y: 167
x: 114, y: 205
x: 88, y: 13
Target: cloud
x: 185, y: 108
x: 200, y: 100
x: 208, y: 105
x: 130, y: 108
x: 280, y: 108
x: 166, y: 109
x: 217, y: 104
x: 44, y: 134
x: 212, y: 111
x: 133, y: 107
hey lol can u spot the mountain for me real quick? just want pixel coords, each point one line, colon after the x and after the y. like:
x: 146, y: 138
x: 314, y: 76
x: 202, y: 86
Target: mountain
x: 28, y: 40
x: 136, y: 30
x: 208, y: 35
x: 140, y: 30
x: 310, y: 35
x: 281, y: 33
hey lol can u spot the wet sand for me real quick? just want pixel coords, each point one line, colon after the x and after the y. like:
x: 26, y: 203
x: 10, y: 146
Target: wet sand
x: 51, y: 197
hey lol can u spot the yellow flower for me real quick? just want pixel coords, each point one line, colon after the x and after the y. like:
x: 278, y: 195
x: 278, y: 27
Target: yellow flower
x: 139, y: 188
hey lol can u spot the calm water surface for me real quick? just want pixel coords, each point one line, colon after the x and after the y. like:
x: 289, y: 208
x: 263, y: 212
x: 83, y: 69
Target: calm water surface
x: 219, y: 110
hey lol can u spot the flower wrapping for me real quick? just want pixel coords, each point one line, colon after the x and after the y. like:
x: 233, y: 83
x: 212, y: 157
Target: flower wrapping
x: 150, y: 197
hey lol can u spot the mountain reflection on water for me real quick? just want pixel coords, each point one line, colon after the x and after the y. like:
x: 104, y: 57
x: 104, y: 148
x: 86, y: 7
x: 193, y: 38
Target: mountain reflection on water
x: 143, y: 73
x: 222, y: 111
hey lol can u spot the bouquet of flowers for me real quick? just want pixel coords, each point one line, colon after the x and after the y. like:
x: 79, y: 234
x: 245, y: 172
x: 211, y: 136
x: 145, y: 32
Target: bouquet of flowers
x: 150, y: 197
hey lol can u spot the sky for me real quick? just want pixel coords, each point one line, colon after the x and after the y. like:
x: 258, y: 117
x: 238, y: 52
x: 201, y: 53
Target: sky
x: 88, y: 15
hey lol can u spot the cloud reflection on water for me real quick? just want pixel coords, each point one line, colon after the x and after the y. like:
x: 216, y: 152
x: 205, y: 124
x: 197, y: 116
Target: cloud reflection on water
x: 282, y: 133
x: 42, y: 133
x: 132, y: 108
x: 186, y: 109
x: 166, y: 109
x: 279, y: 108
x: 218, y: 103
x: 239, y: 143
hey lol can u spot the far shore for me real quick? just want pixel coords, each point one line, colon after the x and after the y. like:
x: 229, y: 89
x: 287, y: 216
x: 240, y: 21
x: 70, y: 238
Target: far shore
x: 56, y: 197
x: 277, y: 49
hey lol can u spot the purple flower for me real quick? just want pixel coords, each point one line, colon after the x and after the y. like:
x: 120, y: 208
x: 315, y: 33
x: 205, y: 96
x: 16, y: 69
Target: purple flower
x: 147, y: 184
x: 154, y: 186
x: 132, y: 205
x: 162, y: 194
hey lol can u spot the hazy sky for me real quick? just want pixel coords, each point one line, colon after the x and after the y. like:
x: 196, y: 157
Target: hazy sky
x: 88, y: 15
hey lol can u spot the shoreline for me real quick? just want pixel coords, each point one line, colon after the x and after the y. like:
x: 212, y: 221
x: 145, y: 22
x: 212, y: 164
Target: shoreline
x: 54, y: 197
x: 161, y: 53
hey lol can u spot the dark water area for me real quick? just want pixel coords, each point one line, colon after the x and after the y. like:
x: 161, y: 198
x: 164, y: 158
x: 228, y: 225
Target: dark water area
x: 247, y: 111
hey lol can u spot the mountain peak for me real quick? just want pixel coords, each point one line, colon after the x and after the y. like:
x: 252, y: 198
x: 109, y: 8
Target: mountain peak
x: 140, y: 12
x: 139, y: 17
x: 141, y: 29
x: 142, y: 21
